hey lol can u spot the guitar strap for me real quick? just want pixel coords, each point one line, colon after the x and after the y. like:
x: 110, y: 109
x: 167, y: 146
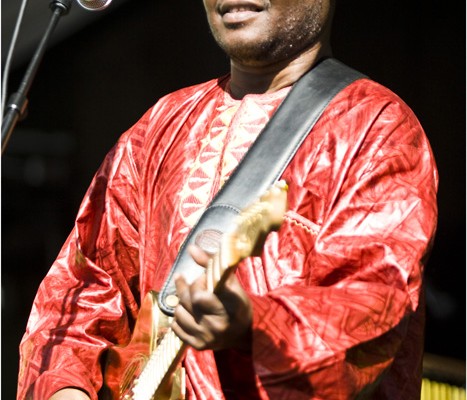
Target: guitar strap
x: 264, y: 162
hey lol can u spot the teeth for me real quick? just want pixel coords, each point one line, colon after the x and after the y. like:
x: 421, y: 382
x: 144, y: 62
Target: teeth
x: 240, y: 9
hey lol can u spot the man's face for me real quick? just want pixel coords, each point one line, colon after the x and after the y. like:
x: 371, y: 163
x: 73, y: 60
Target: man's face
x: 262, y: 32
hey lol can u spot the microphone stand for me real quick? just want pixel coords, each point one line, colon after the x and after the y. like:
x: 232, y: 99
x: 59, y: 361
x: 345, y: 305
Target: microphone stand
x: 17, y: 103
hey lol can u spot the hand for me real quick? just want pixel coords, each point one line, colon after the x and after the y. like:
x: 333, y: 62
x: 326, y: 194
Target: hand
x: 70, y: 394
x: 205, y: 320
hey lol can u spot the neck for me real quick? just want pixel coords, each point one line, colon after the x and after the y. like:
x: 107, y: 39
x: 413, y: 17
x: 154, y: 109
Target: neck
x: 257, y: 79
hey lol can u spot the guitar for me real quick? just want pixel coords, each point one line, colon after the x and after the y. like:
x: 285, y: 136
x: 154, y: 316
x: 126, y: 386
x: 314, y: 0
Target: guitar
x: 149, y: 367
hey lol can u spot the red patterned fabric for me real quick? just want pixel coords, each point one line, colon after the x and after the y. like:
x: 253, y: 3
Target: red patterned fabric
x: 337, y: 293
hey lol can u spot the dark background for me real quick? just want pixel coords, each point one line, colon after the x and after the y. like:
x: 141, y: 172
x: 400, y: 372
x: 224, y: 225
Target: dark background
x: 96, y: 82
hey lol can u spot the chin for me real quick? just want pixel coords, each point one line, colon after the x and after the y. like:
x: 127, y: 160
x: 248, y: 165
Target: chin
x: 259, y: 56
x: 249, y: 52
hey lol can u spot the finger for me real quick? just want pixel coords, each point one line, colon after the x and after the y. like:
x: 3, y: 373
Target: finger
x: 184, y: 324
x: 202, y: 335
x: 195, y: 299
x: 231, y: 288
x: 199, y: 285
x: 199, y: 255
x: 183, y: 292
x: 187, y: 337
x: 200, y: 305
x: 191, y: 332
x: 205, y: 304
x: 232, y: 284
x: 184, y: 319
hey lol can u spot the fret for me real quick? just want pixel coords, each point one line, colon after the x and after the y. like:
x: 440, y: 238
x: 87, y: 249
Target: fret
x: 157, y: 367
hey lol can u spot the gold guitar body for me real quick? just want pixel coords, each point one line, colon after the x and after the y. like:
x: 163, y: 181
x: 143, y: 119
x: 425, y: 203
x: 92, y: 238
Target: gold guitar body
x: 124, y: 365
x: 148, y: 368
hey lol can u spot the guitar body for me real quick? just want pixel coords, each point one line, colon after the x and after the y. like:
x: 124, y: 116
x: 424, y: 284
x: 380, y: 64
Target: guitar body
x: 148, y: 368
x: 124, y: 365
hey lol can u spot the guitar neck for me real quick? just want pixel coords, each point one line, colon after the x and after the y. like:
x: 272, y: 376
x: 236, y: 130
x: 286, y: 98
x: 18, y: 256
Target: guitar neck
x: 161, y: 361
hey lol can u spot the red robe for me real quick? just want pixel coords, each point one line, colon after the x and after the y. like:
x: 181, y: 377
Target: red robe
x: 337, y: 292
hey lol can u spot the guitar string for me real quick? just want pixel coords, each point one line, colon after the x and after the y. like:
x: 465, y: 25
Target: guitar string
x: 157, y: 367
x: 144, y: 387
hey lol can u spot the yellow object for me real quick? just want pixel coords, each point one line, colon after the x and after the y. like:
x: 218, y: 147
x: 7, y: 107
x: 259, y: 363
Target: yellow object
x: 432, y: 390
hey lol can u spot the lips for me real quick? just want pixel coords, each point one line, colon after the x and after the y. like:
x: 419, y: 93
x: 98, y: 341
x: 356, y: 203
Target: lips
x: 238, y: 11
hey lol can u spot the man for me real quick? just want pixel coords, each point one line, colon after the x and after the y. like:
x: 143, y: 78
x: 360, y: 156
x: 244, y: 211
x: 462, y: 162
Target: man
x: 333, y: 307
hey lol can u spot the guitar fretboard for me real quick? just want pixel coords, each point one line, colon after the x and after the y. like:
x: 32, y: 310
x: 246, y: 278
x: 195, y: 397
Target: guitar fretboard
x: 157, y: 367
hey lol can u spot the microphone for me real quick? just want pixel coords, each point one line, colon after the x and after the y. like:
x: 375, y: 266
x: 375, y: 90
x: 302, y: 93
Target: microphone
x: 94, y: 5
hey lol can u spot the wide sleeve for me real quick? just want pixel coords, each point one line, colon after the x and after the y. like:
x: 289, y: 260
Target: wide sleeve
x: 343, y: 277
x: 89, y: 298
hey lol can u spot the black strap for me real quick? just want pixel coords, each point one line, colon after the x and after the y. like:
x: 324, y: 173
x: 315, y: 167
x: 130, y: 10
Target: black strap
x: 266, y: 159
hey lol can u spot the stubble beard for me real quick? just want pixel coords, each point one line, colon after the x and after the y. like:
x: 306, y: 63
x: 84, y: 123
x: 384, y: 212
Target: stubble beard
x: 280, y: 42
